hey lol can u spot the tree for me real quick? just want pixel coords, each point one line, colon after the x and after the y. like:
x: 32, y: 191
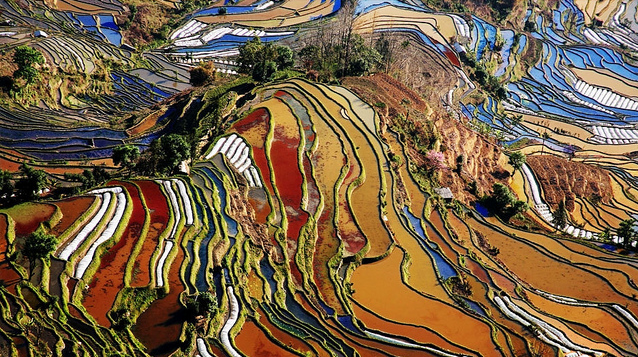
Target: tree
x: 626, y: 232
x: 519, y: 207
x: 38, y: 245
x: 172, y: 150
x: 32, y: 182
x: 502, y: 196
x: 285, y: 57
x: 199, y: 76
x: 560, y: 216
x: 605, y: 235
x: 26, y: 57
x: 6, y: 185
x: 262, y: 61
x: 545, y: 136
x: 516, y: 119
x: 126, y: 155
x: 517, y: 160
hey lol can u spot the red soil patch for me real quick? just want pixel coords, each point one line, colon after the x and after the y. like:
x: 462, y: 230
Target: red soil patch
x: 72, y: 209
x: 109, y: 278
x: 8, y: 275
x: 567, y: 180
x: 9, y: 165
x: 158, y: 207
x: 480, y: 154
x: 144, y: 125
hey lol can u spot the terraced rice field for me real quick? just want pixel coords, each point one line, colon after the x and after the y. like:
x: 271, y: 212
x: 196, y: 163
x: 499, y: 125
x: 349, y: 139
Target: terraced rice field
x: 302, y: 230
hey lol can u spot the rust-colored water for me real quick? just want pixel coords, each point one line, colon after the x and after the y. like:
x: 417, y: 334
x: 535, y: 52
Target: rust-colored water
x: 534, y: 265
x: 28, y: 216
x: 284, y: 337
x: 71, y: 209
x: 252, y: 341
x: 283, y: 157
x: 109, y: 278
x: 595, y: 318
x: 8, y: 275
x: 159, y: 327
x: 158, y: 208
x: 397, y: 302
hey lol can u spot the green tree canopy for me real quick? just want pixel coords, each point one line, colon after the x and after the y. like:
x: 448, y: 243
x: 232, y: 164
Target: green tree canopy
x: 32, y: 182
x: 626, y: 232
x: 38, y: 245
x: 560, y: 216
x: 126, y: 156
x: 168, y: 152
x: 6, y: 185
x: 502, y: 195
x: 263, y: 60
x: 517, y: 160
x: 26, y: 57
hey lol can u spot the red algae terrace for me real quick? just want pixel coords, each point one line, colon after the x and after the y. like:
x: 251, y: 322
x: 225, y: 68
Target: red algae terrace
x: 344, y: 178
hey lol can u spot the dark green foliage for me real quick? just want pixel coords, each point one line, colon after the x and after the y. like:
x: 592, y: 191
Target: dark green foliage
x: 164, y: 155
x: 350, y: 57
x: 517, y: 160
x: 560, y: 216
x: 199, y: 76
x: 201, y: 304
x: 126, y: 156
x: 26, y: 57
x: 503, y: 203
x: 502, y: 196
x: 263, y: 60
x: 479, y: 74
x: 89, y: 178
x: 222, y: 10
x: 530, y: 26
x: 38, y: 245
x: 626, y: 232
x: 31, y: 183
x: 6, y: 184
x: 173, y: 149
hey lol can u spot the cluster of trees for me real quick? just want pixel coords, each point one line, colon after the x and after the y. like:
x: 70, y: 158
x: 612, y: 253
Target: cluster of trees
x: 263, y: 60
x: 89, y: 178
x: 350, y: 57
x: 27, y: 58
x: 162, y: 157
x: 503, y: 202
x: 38, y: 245
x: 479, y: 73
x: 29, y: 184
x: 201, y: 304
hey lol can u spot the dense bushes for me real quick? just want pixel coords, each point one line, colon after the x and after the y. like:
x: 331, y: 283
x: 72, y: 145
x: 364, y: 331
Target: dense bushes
x: 350, y: 58
x: 479, y: 74
x: 503, y: 203
x: 263, y: 60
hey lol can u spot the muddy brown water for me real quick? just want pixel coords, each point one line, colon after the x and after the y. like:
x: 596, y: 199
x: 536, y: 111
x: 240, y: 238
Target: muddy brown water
x: 159, y: 327
x: 8, y: 276
x: 252, y: 341
x: 158, y: 208
x: 398, y: 303
x: 109, y: 278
